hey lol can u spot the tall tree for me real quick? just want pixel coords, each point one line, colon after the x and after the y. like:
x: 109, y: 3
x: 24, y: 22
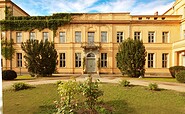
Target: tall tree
x: 131, y: 57
x: 41, y: 57
x: 7, y: 50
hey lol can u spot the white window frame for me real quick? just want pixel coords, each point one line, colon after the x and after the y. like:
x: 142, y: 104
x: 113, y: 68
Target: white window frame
x: 165, y: 59
x: 78, y: 60
x: 18, y: 37
x: 62, y: 37
x: 165, y: 37
x: 19, y: 59
x: 45, y: 36
x: 78, y: 36
x: 104, y: 58
x: 151, y: 60
x: 62, y: 60
x: 32, y: 35
x: 137, y: 35
x: 151, y: 37
x: 104, y: 36
x: 120, y: 36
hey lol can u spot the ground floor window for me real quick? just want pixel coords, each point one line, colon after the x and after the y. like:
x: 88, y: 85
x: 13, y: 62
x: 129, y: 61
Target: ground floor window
x: 150, y: 60
x: 19, y: 59
x: 164, y: 60
x: 62, y: 60
x: 103, y: 59
x: 77, y: 59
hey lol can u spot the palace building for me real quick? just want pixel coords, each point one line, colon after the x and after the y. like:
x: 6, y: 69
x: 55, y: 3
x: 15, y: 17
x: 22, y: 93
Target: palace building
x: 89, y: 43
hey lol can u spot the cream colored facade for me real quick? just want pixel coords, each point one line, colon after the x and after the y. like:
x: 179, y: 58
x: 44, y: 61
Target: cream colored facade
x: 93, y: 38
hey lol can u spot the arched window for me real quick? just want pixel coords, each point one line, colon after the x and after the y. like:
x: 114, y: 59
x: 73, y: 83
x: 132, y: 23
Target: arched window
x: 90, y: 55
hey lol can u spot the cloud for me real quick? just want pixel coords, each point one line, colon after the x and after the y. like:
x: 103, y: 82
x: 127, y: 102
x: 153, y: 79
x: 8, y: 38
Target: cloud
x: 138, y: 7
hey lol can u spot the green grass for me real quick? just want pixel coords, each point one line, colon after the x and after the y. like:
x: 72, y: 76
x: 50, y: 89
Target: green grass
x: 129, y: 100
x: 162, y: 79
x: 25, y: 77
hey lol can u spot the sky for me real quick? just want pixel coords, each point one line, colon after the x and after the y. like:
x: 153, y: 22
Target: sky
x: 135, y: 7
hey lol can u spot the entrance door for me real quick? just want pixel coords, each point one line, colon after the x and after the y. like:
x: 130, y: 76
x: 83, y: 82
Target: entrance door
x: 183, y: 60
x: 91, y: 64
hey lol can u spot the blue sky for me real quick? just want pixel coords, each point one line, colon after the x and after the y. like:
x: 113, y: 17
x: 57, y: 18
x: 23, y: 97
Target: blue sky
x: 135, y: 7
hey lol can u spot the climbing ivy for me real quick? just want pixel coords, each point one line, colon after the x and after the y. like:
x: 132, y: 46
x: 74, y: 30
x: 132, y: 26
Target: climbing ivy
x: 28, y: 23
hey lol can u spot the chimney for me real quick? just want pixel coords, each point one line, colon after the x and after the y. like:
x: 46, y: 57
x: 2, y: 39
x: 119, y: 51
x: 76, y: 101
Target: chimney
x: 156, y: 13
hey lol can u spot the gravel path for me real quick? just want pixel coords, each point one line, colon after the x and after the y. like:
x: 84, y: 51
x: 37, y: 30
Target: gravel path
x: 165, y: 85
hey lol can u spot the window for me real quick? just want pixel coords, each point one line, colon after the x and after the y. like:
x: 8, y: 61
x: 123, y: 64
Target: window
x: 164, y: 60
x: 151, y: 36
x: 77, y: 59
x: 103, y: 59
x: 18, y: 37
x: 137, y: 35
x: 119, y: 37
x: 32, y: 36
x: 184, y: 34
x: 103, y: 36
x: 62, y: 60
x: 165, y: 37
x: 150, y: 60
x: 19, y: 59
x: 2, y: 35
x: 77, y: 36
x: 90, y: 37
x: 45, y: 36
x: 62, y: 37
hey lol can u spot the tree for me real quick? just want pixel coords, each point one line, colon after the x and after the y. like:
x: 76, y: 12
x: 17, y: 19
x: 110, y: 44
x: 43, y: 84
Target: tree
x: 41, y: 57
x: 7, y: 50
x: 131, y: 57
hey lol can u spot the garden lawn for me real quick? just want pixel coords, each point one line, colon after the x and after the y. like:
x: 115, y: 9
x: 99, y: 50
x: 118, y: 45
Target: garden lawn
x: 129, y: 100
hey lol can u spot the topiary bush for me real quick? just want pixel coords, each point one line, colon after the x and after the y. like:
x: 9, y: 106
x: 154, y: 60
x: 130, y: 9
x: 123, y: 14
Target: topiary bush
x: 175, y: 69
x: 21, y: 86
x: 153, y: 86
x: 180, y: 77
x: 124, y: 83
x: 9, y: 75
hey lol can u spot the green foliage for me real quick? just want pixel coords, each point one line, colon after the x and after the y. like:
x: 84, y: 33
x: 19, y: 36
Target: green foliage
x: 7, y: 49
x: 9, y: 75
x: 153, y: 86
x: 20, y: 86
x: 180, y: 77
x: 91, y: 92
x: 124, y: 83
x: 131, y: 58
x: 69, y: 100
x: 175, y: 69
x: 41, y: 57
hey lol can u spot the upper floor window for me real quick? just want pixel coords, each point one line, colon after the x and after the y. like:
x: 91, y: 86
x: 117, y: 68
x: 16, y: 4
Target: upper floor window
x: 164, y: 60
x: 119, y: 37
x: 19, y: 59
x: 78, y: 36
x: 103, y: 36
x: 151, y: 36
x: 103, y: 59
x: 184, y: 34
x: 45, y: 36
x: 62, y: 60
x: 77, y: 59
x: 90, y: 37
x: 165, y: 36
x: 32, y: 36
x: 150, y: 60
x: 137, y: 35
x: 18, y: 37
x: 62, y: 36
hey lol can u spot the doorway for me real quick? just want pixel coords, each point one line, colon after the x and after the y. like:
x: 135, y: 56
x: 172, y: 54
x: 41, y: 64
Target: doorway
x: 91, y: 63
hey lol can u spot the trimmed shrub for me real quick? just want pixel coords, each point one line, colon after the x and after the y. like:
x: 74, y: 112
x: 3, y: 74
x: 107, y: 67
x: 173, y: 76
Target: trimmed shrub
x: 124, y: 83
x: 20, y: 86
x: 9, y: 75
x: 180, y: 77
x: 153, y: 86
x: 175, y: 69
